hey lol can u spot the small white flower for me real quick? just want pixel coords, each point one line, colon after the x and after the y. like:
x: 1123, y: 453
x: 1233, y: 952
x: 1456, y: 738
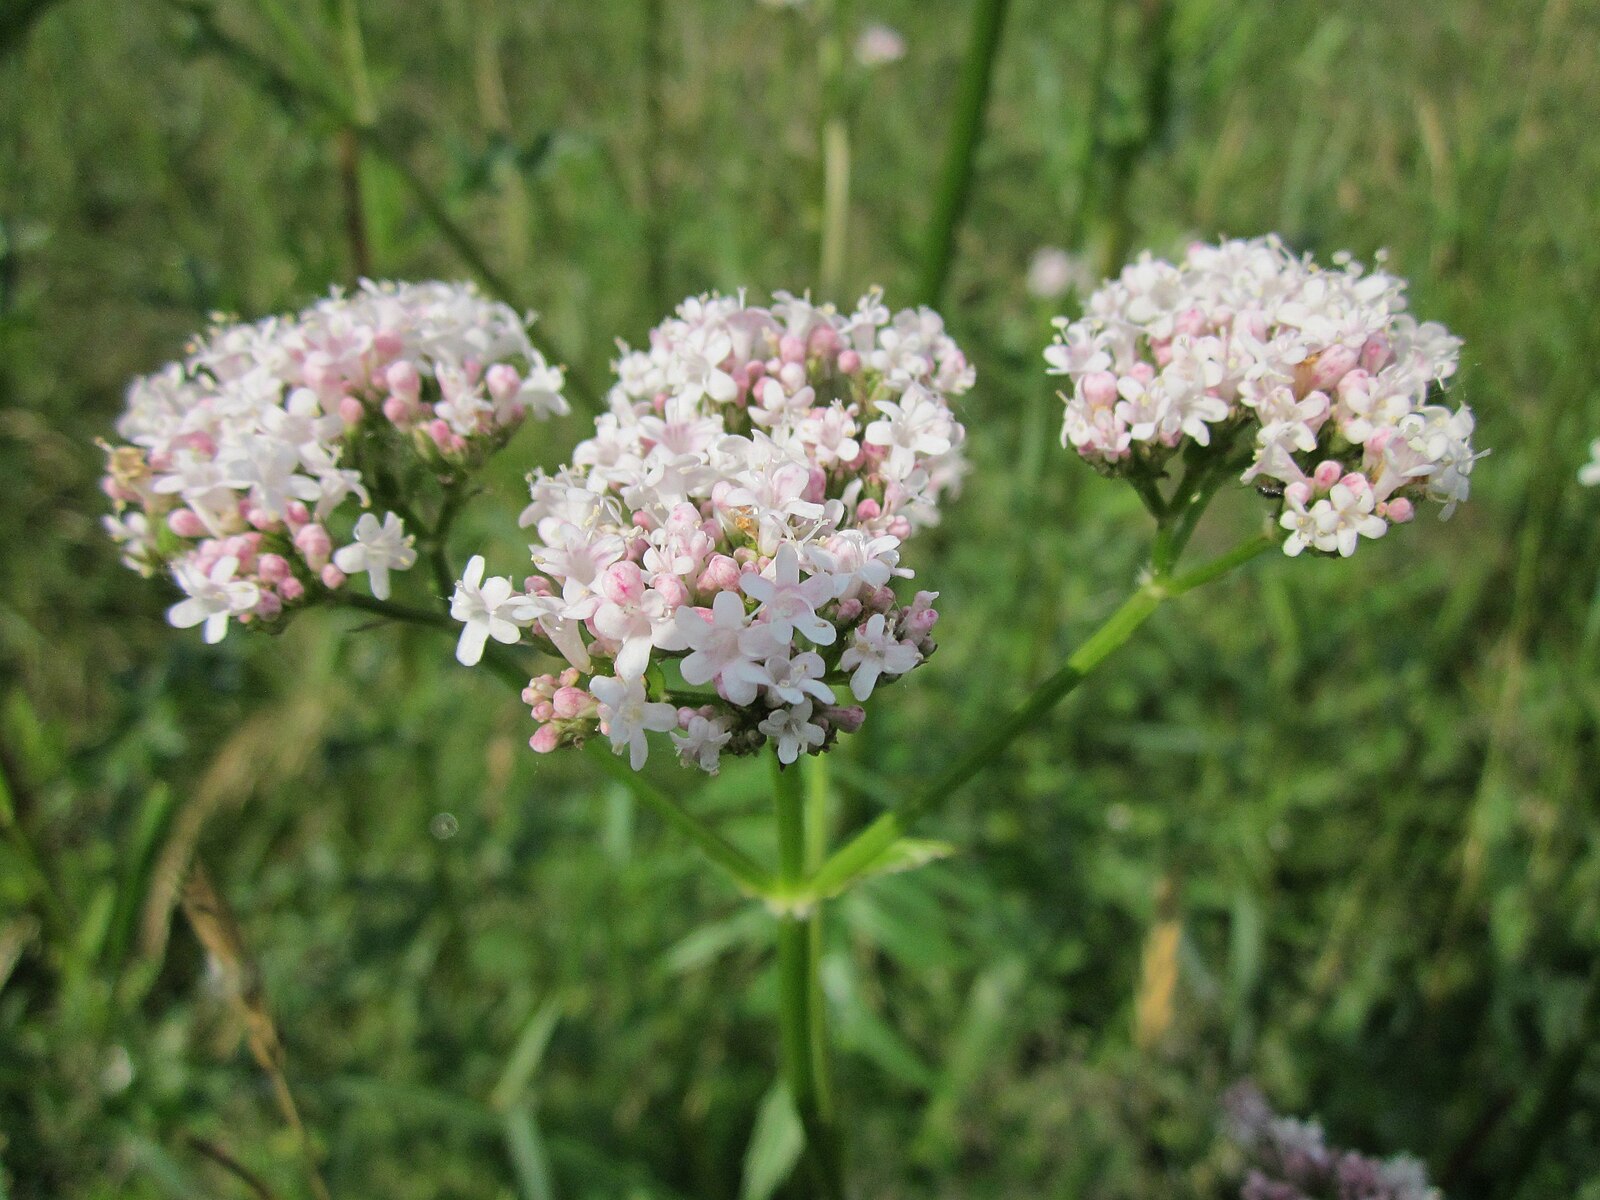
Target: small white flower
x: 487, y: 609
x: 212, y: 598
x: 874, y: 651
x: 793, y: 730
x: 627, y: 713
x: 725, y: 648
x: 787, y: 603
x: 701, y: 743
x: 377, y: 550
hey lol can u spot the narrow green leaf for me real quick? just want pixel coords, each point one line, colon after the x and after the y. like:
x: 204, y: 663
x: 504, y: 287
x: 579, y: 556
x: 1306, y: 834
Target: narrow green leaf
x: 529, y: 1159
x: 775, y: 1145
x: 525, y: 1057
x: 710, y: 942
x: 902, y: 854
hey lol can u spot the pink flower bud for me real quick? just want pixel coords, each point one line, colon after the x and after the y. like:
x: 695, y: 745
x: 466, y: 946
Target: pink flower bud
x: 825, y: 341
x: 260, y: 518
x: 1191, y: 322
x: 570, y: 702
x: 1332, y: 365
x: 403, y: 380
x: 721, y: 575
x: 396, y: 410
x: 672, y: 589
x: 792, y: 376
x: 849, y: 610
x: 388, y: 343
x: 1162, y: 349
x: 1142, y: 372
x: 849, y: 362
x: 545, y: 739
x: 268, y: 606
x: 291, y: 589
x: 1400, y: 510
x: 351, y: 410
x: 623, y: 583
x: 791, y: 349
x: 1298, y: 493
x: 1375, y: 354
x: 880, y: 600
x: 273, y: 568
x: 816, y: 486
x: 296, y: 513
x: 847, y: 718
x: 185, y: 522
x: 314, y: 544
x: 544, y: 710
x: 1356, y: 482
x: 1327, y: 474
x: 899, y: 527
x: 439, y: 431
x: 503, y: 381
x: 332, y: 578
x: 869, y: 510
x: 1099, y: 389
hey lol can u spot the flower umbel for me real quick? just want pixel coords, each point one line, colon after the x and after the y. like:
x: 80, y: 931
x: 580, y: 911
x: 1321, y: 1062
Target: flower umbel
x: 257, y: 448
x: 1315, y: 384
x: 721, y: 549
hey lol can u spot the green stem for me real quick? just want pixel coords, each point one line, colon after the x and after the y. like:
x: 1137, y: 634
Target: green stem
x: 800, y: 1014
x: 966, y: 130
x: 744, y: 870
x: 858, y: 854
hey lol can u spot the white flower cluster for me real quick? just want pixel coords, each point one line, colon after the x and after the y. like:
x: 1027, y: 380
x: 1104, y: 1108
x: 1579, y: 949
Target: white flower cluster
x: 1317, y: 381
x: 243, y: 458
x: 716, y: 561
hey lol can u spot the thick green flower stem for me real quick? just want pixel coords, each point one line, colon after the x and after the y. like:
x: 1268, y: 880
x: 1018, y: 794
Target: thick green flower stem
x: 858, y: 854
x: 800, y: 1008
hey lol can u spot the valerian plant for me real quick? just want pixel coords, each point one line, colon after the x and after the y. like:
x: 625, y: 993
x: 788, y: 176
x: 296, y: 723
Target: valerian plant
x: 715, y: 570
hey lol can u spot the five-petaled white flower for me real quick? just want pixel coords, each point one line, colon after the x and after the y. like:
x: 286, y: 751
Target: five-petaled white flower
x: 487, y: 609
x: 627, y: 713
x: 793, y: 730
x: 874, y: 651
x: 377, y: 550
x: 212, y: 598
x: 701, y: 743
x: 787, y: 603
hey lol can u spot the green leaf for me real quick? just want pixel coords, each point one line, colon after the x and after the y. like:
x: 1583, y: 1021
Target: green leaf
x: 775, y: 1145
x: 525, y: 1144
x: 526, y: 1056
x: 903, y: 854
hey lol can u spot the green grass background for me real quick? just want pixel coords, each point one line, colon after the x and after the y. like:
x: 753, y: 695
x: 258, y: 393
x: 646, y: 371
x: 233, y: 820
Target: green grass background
x: 1368, y: 792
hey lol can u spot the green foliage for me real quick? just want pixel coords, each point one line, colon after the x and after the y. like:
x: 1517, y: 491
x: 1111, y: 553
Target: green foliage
x: 1365, y: 795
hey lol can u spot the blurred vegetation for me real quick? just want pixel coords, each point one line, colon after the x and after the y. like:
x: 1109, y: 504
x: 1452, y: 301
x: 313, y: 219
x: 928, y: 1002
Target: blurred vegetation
x: 1334, y: 825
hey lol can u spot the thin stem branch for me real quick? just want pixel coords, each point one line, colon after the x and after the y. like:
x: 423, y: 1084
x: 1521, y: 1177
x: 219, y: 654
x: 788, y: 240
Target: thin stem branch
x: 966, y: 131
x: 858, y: 854
x: 744, y: 870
